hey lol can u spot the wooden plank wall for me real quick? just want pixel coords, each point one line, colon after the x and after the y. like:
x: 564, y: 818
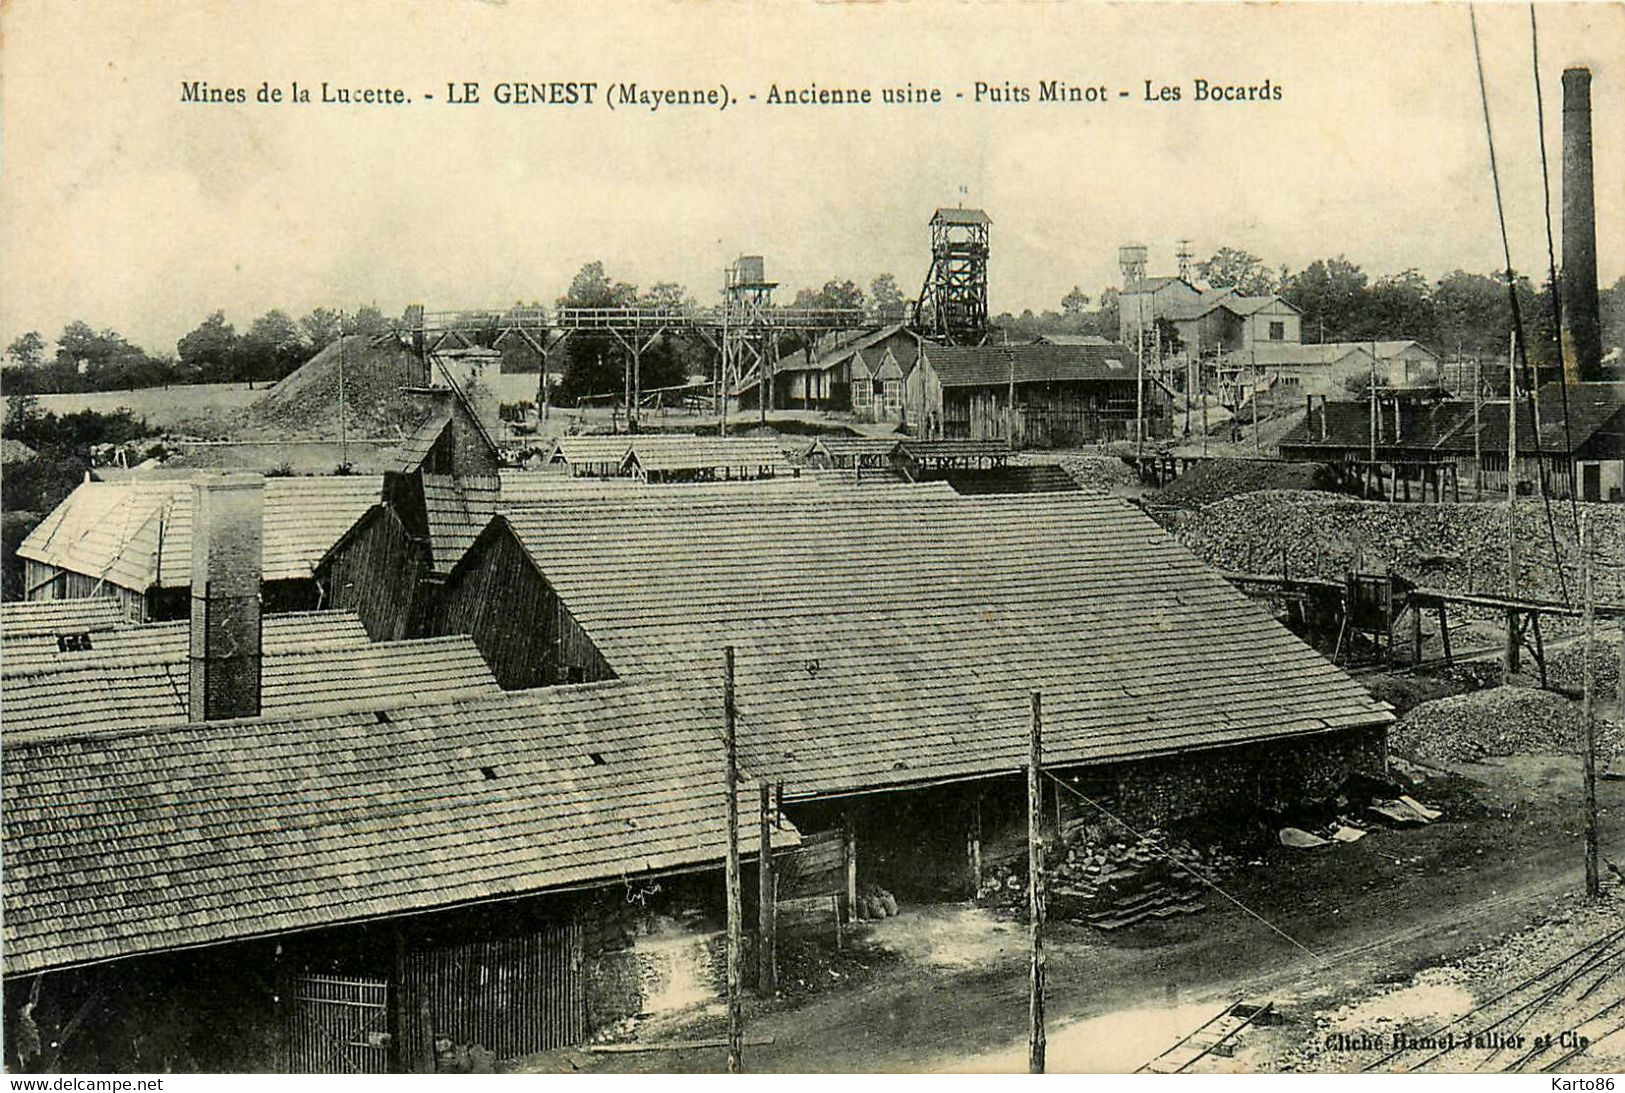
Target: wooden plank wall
x: 376, y: 575
x: 525, y: 634
x: 512, y: 996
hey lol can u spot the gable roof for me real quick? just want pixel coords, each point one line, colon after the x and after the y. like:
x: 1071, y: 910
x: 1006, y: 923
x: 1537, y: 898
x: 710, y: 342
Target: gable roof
x: 1284, y: 354
x: 457, y: 508
x: 851, y: 682
x: 1386, y: 349
x: 1071, y: 339
x: 117, y: 689
x: 279, y: 634
x: 584, y: 450
x: 842, y: 446
x: 137, y: 534
x: 694, y: 453
x: 985, y: 365
x: 961, y: 216
x: 21, y: 618
x: 205, y: 833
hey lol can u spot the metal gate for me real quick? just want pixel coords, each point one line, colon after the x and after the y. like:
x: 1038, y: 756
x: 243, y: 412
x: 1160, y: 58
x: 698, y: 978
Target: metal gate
x: 339, y: 1026
x: 512, y: 996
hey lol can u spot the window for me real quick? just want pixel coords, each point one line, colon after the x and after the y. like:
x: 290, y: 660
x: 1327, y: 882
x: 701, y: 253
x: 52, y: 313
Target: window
x: 862, y: 393
x: 894, y: 396
x: 1278, y: 332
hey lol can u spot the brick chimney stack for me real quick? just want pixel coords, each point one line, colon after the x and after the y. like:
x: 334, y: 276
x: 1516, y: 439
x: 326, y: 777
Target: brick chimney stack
x: 227, y: 561
x: 1582, y: 324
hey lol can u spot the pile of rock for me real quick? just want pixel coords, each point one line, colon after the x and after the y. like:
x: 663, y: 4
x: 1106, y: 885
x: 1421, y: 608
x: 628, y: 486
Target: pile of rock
x: 1457, y: 547
x: 1499, y: 721
x: 875, y: 902
x: 1110, y: 884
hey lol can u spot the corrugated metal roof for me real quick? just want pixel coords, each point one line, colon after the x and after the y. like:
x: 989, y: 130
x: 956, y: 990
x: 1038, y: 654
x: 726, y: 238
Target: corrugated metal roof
x: 117, y: 689
x: 138, y: 534
x: 21, y: 618
x: 167, y: 641
x: 985, y: 365
x: 888, y: 644
x: 208, y: 833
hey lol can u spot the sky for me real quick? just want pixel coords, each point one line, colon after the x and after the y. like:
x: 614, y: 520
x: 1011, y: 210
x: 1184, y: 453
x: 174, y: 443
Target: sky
x: 122, y: 205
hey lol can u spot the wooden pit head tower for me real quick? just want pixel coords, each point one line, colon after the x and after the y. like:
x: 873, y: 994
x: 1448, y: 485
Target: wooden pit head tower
x: 953, y: 301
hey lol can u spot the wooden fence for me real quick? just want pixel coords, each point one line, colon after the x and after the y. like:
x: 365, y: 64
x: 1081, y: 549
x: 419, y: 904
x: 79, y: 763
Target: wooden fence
x: 512, y: 996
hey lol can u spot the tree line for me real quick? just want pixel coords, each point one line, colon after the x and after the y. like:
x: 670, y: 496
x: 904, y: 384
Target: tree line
x: 1459, y: 313
x: 87, y: 359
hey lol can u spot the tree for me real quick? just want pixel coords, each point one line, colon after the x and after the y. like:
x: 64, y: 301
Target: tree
x: 834, y: 295
x: 322, y: 328
x: 272, y: 348
x: 593, y: 362
x: 1330, y: 294
x: 1074, y: 303
x: 1231, y: 267
x: 28, y: 350
x: 1398, y: 306
x: 209, y: 351
x: 22, y: 418
x: 887, y: 297
x: 367, y: 320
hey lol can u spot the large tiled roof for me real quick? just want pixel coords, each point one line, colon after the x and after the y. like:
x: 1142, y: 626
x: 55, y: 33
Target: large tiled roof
x: 22, y: 618
x: 139, y: 534
x: 457, y: 509
x: 190, y: 835
x: 984, y: 365
x: 580, y: 450
x: 692, y: 453
x: 1281, y: 355
x: 109, y: 692
x: 840, y: 446
x: 889, y: 644
x: 287, y: 633
x: 1446, y: 426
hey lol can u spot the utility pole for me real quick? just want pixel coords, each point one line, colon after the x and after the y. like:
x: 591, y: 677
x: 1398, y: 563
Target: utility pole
x: 1201, y: 385
x: 1478, y: 455
x: 1372, y: 453
x: 1035, y: 892
x: 1510, y: 658
x: 1253, y: 360
x: 1588, y: 567
x: 1139, y: 391
x: 767, y: 970
x: 344, y: 432
x: 736, y: 1013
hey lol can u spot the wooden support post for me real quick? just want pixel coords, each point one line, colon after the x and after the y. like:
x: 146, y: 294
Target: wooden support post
x: 406, y: 1036
x: 736, y: 1013
x: 767, y: 953
x: 1444, y: 634
x: 1035, y: 892
x: 1589, y: 710
x: 1509, y: 657
x: 1416, y: 632
x: 850, y: 847
x: 1540, y: 647
x: 973, y: 845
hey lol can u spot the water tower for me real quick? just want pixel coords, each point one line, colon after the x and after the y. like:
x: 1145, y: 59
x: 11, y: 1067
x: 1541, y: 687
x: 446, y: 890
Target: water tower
x: 1131, y: 260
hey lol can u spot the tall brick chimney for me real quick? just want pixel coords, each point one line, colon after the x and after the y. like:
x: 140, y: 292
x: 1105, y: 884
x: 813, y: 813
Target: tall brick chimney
x: 1582, y: 327
x: 227, y: 560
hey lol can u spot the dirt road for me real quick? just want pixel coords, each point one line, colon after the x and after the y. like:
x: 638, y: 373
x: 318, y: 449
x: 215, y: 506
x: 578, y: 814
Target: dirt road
x: 1373, y: 911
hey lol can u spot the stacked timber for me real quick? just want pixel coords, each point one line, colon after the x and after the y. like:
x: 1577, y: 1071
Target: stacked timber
x: 1110, y: 884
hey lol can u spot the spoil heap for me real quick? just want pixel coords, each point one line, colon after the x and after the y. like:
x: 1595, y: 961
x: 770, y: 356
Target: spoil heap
x: 1111, y: 884
x: 1217, y: 479
x: 305, y: 403
x: 1457, y: 547
x: 1497, y: 722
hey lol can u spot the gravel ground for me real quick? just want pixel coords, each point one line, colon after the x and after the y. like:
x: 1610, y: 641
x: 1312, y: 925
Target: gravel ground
x: 1499, y: 721
x: 1458, y: 547
x: 1460, y: 996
